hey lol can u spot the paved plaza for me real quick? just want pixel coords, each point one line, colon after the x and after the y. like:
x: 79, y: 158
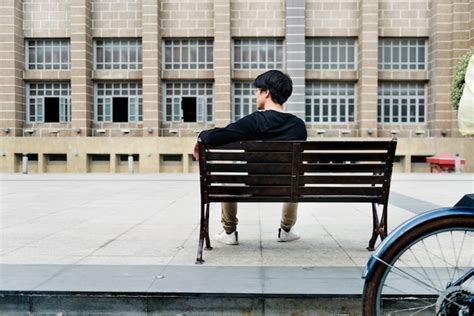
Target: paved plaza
x: 132, y: 233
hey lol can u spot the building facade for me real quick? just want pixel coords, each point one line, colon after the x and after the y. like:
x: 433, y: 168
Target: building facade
x: 87, y: 85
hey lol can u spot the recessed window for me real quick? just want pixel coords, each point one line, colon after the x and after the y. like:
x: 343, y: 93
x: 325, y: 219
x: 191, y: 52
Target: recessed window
x: 48, y: 102
x: 57, y: 157
x: 124, y: 158
x: 401, y: 103
x: 188, y: 102
x: 330, y: 102
x: 418, y: 159
x: 330, y: 53
x: 258, y: 54
x: 118, y: 54
x: 118, y: 102
x: 171, y: 158
x: 402, y: 53
x: 188, y: 54
x: 100, y: 157
x: 244, y: 100
x: 47, y: 54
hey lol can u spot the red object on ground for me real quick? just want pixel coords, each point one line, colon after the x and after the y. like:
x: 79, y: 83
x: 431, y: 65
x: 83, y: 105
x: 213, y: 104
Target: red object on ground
x: 442, y: 162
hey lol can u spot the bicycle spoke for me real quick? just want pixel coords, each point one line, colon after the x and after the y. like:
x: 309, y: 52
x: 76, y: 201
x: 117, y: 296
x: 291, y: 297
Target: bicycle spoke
x: 432, y: 264
x: 422, y: 267
x: 409, y: 276
x: 417, y: 309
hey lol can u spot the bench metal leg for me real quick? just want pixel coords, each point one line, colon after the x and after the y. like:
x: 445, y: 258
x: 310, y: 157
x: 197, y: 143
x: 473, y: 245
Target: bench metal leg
x: 383, y: 223
x: 208, y: 241
x: 202, y: 232
x: 376, y: 226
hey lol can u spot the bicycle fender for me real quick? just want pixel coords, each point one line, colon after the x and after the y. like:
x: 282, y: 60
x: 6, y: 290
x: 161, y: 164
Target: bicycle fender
x: 407, y: 226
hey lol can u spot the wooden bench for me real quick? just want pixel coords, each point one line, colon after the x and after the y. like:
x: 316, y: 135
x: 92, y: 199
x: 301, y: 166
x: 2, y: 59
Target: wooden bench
x: 297, y: 171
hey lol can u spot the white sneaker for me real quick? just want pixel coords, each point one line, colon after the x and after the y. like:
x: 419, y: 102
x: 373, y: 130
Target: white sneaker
x: 287, y: 236
x: 228, y: 239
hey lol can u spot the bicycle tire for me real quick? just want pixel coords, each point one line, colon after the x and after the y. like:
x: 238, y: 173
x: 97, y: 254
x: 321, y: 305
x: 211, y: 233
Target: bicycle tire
x: 371, y: 297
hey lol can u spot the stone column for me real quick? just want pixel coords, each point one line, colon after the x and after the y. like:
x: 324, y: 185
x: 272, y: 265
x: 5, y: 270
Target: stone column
x: 82, y: 104
x: 151, y: 57
x: 440, y: 69
x: 367, y: 68
x: 295, y: 55
x: 12, y: 58
x: 222, y: 63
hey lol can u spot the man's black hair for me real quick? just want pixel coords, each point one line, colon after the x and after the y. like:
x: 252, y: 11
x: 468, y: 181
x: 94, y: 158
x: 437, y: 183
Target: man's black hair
x: 278, y: 83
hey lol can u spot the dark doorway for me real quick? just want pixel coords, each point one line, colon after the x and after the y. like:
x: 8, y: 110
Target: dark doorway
x: 120, y: 109
x: 188, y: 105
x: 51, y: 110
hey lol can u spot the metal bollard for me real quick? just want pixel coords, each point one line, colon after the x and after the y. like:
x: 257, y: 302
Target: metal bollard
x: 457, y: 164
x: 24, y: 164
x: 130, y: 163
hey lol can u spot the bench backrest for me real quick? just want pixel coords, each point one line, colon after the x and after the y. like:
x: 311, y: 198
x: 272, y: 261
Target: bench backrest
x: 297, y: 171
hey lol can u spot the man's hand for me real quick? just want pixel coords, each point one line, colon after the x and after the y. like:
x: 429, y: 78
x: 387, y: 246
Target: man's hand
x: 196, y: 152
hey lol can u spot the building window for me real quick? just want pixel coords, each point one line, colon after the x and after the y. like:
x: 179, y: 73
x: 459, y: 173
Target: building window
x: 401, y: 103
x: 402, y: 53
x: 330, y: 53
x: 244, y: 100
x: 118, y: 102
x: 188, y: 102
x: 189, y: 54
x: 47, y: 54
x: 117, y: 54
x: 48, y: 102
x: 258, y: 54
x: 330, y: 102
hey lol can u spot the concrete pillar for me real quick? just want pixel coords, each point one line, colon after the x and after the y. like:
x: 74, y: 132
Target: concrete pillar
x: 407, y: 164
x: 367, y: 68
x: 151, y: 59
x: 295, y: 55
x: 12, y: 57
x: 81, y: 66
x: 440, y: 113
x: 222, y: 66
x: 185, y: 163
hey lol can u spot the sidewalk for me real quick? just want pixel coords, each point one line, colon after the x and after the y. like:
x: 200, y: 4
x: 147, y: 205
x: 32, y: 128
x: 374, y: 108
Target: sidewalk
x: 139, y: 233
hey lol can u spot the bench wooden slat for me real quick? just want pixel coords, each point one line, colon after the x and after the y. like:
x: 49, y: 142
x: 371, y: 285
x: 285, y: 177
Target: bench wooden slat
x: 251, y: 190
x: 345, y: 145
x: 281, y: 199
x: 343, y: 167
x: 249, y: 157
x: 330, y: 179
x: 372, y: 191
x: 340, y: 157
x: 251, y: 179
x: 272, y: 146
x: 267, y: 168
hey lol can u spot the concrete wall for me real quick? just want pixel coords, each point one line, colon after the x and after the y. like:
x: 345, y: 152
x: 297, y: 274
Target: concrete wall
x: 151, y: 150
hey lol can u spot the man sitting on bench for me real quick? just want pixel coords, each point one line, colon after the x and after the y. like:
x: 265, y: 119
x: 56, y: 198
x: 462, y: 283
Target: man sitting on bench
x: 273, y: 88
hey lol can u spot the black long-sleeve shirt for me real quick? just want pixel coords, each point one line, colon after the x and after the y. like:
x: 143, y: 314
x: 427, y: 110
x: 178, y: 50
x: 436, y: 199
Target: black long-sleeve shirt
x: 260, y: 125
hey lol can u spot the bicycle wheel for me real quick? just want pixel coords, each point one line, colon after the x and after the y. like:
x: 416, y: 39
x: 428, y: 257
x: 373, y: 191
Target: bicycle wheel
x: 416, y: 271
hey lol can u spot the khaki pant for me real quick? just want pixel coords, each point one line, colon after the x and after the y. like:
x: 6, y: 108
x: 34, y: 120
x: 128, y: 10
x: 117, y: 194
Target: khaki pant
x: 229, y: 216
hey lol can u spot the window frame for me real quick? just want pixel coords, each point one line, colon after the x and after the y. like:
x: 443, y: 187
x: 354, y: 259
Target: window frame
x: 63, y: 65
x: 381, y: 97
x: 336, y: 42
x: 135, y: 43
x: 278, y: 42
x: 394, y: 42
x: 175, y: 100
x: 207, y: 45
x: 252, y: 106
x: 327, y: 107
x: 39, y: 115
x: 107, y: 101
